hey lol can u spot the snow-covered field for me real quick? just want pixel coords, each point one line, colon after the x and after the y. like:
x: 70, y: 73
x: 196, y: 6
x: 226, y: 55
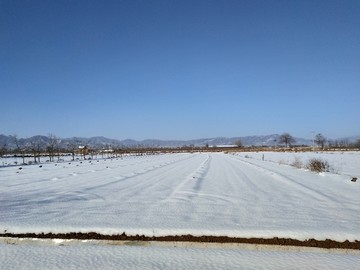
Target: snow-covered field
x: 176, y: 194
x: 172, y: 194
x: 345, y: 163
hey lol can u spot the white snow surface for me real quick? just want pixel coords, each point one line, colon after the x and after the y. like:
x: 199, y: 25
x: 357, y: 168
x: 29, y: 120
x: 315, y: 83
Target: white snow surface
x: 183, y: 193
x: 342, y: 162
x: 146, y: 255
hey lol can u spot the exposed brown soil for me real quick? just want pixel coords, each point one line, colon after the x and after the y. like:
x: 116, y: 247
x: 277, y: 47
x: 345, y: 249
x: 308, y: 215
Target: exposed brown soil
x: 190, y: 238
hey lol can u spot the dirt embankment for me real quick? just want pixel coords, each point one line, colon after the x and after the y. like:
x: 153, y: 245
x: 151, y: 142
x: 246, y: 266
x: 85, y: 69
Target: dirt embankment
x: 190, y: 238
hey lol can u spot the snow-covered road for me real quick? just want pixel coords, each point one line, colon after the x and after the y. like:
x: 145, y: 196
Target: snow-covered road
x: 172, y: 194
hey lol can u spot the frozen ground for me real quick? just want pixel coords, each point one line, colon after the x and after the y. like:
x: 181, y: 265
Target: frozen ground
x: 172, y: 194
x: 28, y: 254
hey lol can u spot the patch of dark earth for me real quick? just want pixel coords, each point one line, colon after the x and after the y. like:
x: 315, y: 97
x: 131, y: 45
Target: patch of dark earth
x: 328, y: 243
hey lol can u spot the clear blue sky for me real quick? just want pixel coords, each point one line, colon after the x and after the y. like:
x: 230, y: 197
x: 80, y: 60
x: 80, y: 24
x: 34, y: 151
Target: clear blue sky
x: 179, y: 69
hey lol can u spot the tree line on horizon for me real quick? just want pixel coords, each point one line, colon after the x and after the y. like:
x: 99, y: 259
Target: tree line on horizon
x: 51, y: 147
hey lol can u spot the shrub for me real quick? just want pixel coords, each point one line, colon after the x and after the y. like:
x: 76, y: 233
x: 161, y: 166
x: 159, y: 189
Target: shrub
x: 318, y: 165
x: 297, y: 163
x: 281, y: 162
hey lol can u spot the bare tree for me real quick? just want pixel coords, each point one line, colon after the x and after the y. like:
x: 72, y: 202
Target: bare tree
x: 357, y: 144
x: 57, y: 144
x: 72, y: 147
x: 52, y: 144
x: 83, y: 151
x: 238, y: 143
x: 15, y: 140
x: 344, y: 143
x: 320, y: 140
x: 35, y: 147
x: 3, y: 150
x: 287, y: 139
x: 18, y: 149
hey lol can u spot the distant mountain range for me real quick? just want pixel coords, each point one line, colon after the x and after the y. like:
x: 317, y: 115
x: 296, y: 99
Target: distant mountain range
x: 102, y: 142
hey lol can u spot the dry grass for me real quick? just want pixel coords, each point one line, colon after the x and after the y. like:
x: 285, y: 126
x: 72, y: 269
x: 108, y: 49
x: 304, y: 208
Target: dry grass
x: 318, y: 165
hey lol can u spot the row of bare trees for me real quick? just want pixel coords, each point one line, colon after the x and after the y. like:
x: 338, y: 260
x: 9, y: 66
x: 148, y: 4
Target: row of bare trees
x: 288, y: 140
x: 53, y: 146
x: 321, y: 141
x: 37, y: 148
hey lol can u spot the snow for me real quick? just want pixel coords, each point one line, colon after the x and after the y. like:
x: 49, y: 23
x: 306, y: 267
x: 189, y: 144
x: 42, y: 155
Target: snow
x: 184, y: 193
x: 345, y: 163
x: 46, y: 254
x: 201, y: 194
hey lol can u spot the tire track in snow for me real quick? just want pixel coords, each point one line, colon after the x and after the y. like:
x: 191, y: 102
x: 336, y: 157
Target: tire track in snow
x: 73, y: 169
x: 227, y: 188
x: 197, y: 175
x: 57, y: 191
x: 285, y: 196
x: 131, y: 175
x: 230, y: 181
x: 244, y: 176
x: 151, y: 179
